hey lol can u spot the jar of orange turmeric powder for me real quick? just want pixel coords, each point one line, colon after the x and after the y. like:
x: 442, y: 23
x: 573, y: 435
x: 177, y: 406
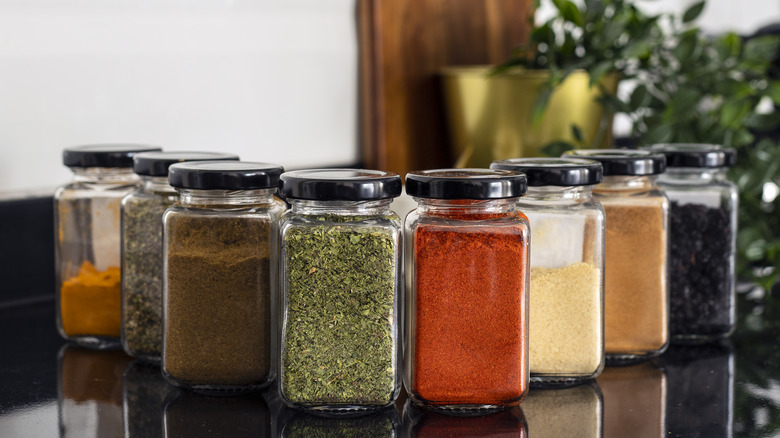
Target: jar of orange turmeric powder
x: 467, y: 273
x: 636, y: 295
x: 87, y: 236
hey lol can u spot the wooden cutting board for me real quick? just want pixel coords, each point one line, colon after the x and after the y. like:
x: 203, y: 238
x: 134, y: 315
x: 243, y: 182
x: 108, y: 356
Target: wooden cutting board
x: 403, y: 46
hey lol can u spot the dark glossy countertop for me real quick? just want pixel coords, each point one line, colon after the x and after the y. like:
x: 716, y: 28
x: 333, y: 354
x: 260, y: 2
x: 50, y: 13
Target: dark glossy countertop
x: 48, y: 389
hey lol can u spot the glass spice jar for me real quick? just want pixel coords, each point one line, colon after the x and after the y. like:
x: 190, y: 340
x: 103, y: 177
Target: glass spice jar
x: 87, y: 241
x: 467, y: 274
x: 142, y: 260
x: 581, y: 406
x: 220, y: 267
x: 566, y: 301
x: 341, y: 273
x: 703, y: 240
x: 636, y: 296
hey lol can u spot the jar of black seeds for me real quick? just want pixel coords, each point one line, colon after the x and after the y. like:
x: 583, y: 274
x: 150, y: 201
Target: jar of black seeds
x: 341, y: 273
x: 220, y: 269
x: 142, y: 260
x: 702, y: 241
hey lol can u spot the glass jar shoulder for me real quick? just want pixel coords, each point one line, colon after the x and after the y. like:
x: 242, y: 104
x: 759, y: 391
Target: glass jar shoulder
x: 269, y: 210
x: 81, y: 189
x: 465, y: 222
x: 141, y: 198
x: 653, y: 196
x: 590, y: 206
x: 388, y: 220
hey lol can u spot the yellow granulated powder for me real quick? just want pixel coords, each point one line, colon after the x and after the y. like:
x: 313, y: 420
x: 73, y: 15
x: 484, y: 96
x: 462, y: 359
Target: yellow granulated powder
x: 566, y: 317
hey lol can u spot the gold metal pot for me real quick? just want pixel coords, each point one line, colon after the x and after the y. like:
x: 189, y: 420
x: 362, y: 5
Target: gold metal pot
x: 489, y: 117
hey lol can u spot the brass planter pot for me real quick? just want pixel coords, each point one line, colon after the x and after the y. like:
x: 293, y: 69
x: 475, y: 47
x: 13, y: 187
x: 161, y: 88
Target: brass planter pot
x: 489, y: 117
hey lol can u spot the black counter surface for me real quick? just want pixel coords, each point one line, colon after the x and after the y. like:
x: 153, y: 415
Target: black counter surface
x: 730, y: 388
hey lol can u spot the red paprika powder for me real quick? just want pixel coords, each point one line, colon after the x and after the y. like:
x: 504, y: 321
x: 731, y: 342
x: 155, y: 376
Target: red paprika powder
x: 468, y: 345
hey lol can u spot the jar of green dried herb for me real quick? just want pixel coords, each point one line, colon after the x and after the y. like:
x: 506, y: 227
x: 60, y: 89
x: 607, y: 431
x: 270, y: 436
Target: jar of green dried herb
x: 340, y: 257
x: 566, y: 302
x: 142, y: 262
x: 220, y: 254
x: 87, y: 241
x: 703, y: 240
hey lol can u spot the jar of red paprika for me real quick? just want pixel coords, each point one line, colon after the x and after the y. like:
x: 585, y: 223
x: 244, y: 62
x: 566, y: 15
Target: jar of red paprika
x: 467, y: 267
x: 566, y: 311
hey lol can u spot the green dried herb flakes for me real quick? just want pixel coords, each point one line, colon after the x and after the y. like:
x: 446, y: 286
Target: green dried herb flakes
x: 142, y: 273
x: 339, y: 337
x: 312, y: 426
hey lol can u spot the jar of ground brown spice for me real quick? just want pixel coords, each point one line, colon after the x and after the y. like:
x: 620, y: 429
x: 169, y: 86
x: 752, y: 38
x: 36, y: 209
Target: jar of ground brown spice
x: 467, y: 273
x: 636, y: 297
x: 220, y: 255
x: 566, y: 301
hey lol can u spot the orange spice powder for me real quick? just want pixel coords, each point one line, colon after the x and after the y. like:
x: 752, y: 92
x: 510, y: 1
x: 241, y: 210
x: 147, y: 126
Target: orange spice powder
x: 90, y: 302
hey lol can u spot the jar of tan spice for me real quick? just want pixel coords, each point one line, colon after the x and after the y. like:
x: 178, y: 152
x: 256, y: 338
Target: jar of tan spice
x: 566, y: 301
x: 87, y: 241
x: 142, y: 259
x: 636, y: 295
x: 467, y: 292
x: 220, y: 253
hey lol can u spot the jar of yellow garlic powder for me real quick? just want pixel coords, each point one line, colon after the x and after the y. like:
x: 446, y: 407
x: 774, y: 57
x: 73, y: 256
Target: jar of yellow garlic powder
x: 566, y: 302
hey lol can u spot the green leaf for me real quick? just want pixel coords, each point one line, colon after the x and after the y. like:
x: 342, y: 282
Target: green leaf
x: 686, y: 47
x: 569, y: 11
x: 637, y: 49
x: 693, y: 12
x: 729, y: 45
x: 658, y: 134
x: 599, y: 71
x: 640, y: 97
x: 556, y: 148
x: 540, y: 105
x: 733, y: 112
x: 761, y: 50
x: 682, y: 105
x: 773, y: 91
x: 576, y: 132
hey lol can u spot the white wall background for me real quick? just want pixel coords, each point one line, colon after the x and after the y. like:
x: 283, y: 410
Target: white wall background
x: 270, y: 80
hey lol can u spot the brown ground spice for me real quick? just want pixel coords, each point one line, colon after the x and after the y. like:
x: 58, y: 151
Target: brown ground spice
x: 218, y: 300
x: 635, y: 297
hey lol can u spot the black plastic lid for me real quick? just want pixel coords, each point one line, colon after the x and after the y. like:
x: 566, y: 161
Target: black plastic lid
x: 157, y: 163
x: 696, y: 155
x: 224, y: 175
x: 562, y: 172
x: 340, y: 185
x: 466, y: 184
x: 623, y: 161
x: 104, y: 155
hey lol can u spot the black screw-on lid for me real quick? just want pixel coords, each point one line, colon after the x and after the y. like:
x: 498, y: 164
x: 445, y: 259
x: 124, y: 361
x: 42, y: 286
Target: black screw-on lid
x: 157, y: 163
x: 623, y: 161
x: 224, y: 175
x: 104, y: 155
x: 696, y: 155
x: 563, y: 172
x: 466, y: 184
x: 340, y: 185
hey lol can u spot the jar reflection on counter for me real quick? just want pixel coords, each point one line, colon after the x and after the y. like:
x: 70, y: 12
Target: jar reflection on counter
x: 382, y: 423
x: 220, y: 244
x: 566, y: 301
x: 565, y: 412
x: 187, y: 415
x: 89, y: 391
x: 142, y: 258
x: 701, y: 389
x: 635, y: 400
x: 421, y: 422
x: 467, y: 274
x: 87, y: 241
x: 636, y: 295
x: 341, y: 275
x: 703, y: 240
x: 143, y: 392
